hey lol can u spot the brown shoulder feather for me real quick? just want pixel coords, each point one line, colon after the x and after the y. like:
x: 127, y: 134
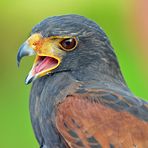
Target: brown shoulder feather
x: 87, y: 120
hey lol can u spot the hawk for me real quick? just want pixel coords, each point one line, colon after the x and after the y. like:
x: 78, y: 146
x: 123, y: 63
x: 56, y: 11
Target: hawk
x: 79, y: 98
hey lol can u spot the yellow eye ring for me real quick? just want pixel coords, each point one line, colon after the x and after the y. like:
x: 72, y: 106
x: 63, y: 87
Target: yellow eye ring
x: 68, y: 44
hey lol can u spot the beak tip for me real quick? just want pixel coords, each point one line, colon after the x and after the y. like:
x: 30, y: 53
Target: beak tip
x: 18, y: 59
x: 29, y: 80
x: 18, y: 64
x: 26, y: 83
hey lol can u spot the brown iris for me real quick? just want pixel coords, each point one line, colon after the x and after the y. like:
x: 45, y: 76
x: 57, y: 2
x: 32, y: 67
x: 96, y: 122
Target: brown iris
x: 68, y: 44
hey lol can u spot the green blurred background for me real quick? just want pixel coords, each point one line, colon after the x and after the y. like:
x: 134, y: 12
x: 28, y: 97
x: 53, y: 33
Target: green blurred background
x: 120, y: 19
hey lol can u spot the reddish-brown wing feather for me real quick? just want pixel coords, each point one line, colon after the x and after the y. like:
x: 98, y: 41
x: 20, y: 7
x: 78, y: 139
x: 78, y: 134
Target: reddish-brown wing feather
x: 84, y: 122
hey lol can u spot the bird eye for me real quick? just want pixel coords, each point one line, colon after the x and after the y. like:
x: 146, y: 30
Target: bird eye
x: 68, y: 44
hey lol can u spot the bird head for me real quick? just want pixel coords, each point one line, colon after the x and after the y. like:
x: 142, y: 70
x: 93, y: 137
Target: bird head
x: 67, y: 43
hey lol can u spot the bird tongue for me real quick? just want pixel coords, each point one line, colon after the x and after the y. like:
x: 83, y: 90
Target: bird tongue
x: 44, y: 64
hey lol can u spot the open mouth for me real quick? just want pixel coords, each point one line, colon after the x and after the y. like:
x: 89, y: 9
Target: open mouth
x: 44, y: 63
x: 42, y: 66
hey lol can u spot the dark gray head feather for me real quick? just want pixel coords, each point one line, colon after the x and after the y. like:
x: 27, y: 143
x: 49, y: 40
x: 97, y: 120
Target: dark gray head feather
x: 94, y: 58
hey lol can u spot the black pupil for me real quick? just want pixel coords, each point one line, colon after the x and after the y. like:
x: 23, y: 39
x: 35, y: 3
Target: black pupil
x: 68, y: 43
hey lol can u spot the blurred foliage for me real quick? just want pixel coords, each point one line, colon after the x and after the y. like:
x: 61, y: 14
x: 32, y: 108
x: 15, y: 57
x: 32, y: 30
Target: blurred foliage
x: 17, y: 19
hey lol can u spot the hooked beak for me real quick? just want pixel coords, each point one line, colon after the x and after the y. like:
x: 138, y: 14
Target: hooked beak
x: 48, y: 56
x: 24, y: 50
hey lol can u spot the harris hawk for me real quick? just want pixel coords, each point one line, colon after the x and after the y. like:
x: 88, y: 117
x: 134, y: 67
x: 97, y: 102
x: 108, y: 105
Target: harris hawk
x: 79, y: 98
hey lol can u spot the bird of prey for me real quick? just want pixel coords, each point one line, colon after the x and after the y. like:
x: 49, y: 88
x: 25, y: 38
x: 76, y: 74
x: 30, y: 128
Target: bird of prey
x: 79, y: 98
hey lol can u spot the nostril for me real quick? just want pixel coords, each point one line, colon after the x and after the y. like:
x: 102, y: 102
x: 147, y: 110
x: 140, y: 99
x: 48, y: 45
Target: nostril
x: 38, y: 44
